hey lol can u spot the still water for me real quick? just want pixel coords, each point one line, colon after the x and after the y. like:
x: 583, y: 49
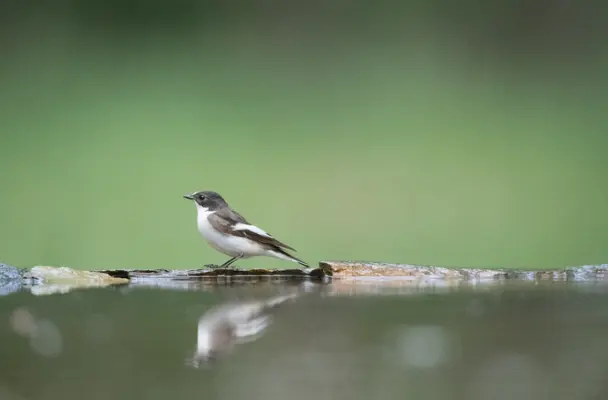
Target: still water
x: 307, y: 341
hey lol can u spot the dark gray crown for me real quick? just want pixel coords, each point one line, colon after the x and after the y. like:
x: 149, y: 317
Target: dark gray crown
x: 207, y: 199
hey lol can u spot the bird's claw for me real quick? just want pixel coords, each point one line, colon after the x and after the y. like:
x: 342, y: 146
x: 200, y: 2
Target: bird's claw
x: 212, y: 266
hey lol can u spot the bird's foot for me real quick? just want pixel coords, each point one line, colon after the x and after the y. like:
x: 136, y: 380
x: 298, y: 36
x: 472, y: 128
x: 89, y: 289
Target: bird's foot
x: 215, y: 266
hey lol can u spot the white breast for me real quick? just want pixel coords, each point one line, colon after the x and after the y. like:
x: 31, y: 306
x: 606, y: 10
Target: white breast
x: 227, y: 244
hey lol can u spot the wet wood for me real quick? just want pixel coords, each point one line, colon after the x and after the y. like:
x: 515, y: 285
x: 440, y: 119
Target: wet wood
x: 214, y: 274
x: 361, y: 269
x: 340, y: 275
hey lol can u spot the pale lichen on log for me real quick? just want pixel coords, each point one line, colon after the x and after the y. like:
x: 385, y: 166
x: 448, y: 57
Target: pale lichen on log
x: 362, y: 269
x: 51, y: 280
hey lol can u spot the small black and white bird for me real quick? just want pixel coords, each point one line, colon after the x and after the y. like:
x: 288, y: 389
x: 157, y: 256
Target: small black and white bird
x: 229, y: 233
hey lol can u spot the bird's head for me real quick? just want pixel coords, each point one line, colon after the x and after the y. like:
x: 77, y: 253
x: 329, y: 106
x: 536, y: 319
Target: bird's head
x: 207, y: 199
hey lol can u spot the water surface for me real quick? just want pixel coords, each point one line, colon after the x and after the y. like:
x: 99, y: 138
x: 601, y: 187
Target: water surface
x: 525, y: 340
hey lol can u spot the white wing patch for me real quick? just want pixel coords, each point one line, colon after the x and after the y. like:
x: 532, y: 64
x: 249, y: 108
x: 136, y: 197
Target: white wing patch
x: 252, y: 228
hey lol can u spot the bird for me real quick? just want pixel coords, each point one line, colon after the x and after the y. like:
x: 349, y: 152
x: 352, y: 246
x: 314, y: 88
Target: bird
x: 230, y: 233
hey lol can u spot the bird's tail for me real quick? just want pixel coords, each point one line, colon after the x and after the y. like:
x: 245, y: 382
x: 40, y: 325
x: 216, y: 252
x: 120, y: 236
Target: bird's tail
x: 292, y: 258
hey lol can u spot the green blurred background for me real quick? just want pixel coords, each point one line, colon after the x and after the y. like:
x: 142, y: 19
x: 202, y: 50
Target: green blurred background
x: 448, y: 133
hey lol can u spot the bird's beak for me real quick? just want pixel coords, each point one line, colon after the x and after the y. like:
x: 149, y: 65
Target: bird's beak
x: 188, y: 196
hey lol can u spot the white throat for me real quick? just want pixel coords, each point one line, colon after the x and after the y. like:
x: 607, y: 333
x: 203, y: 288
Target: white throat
x: 203, y: 224
x: 200, y: 210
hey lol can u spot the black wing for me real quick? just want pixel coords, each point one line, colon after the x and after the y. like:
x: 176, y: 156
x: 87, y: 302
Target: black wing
x: 225, y: 219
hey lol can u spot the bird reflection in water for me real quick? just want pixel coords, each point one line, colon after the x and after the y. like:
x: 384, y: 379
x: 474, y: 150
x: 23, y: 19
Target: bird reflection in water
x: 223, y: 327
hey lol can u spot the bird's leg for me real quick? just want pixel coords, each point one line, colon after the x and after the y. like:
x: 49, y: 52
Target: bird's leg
x: 229, y: 262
